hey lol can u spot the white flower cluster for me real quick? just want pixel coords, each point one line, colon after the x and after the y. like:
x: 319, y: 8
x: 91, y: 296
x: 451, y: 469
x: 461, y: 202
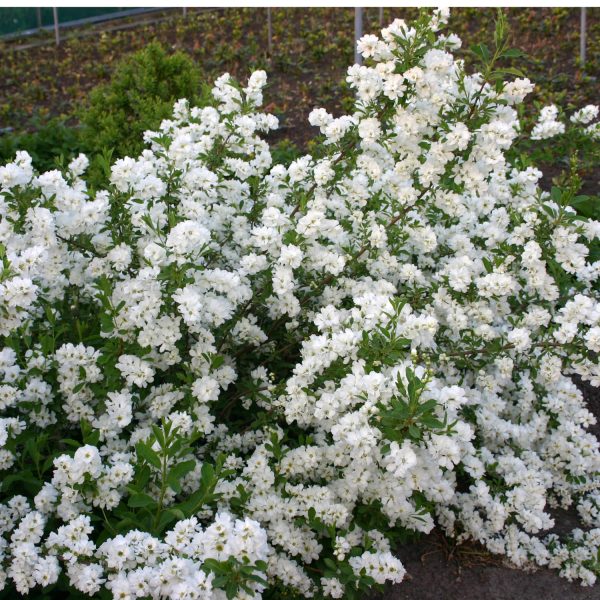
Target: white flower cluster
x: 547, y: 126
x: 232, y: 374
x: 585, y: 115
x: 71, y: 476
x: 135, y: 565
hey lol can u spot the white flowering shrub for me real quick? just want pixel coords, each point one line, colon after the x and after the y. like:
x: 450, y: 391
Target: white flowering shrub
x: 574, y: 149
x: 224, y: 378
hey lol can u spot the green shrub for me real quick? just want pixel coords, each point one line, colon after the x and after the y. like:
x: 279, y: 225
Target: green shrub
x: 285, y: 151
x: 139, y: 95
x: 49, y: 142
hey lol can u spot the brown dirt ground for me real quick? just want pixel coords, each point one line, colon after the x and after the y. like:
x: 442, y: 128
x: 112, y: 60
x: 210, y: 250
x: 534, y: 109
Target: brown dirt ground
x: 433, y: 577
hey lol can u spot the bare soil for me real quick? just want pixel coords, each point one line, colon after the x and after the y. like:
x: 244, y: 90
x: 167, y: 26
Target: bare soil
x: 434, y: 577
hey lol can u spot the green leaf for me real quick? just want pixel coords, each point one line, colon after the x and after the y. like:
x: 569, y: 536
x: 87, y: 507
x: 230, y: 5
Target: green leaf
x: 32, y: 448
x: 414, y: 432
x: 481, y: 51
x: 169, y: 516
x: 142, y: 477
x: 179, y: 471
x: 159, y: 434
x: 513, y: 53
x: 69, y: 442
x: 145, y: 452
x: 509, y: 71
x: 331, y: 564
x: 487, y: 264
x: 207, y: 476
x: 208, y: 481
x: 260, y: 565
x: 431, y: 422
x: 140, y: 500
x: 231, y: 590
x: 588, y: 206
x: 556, y: 194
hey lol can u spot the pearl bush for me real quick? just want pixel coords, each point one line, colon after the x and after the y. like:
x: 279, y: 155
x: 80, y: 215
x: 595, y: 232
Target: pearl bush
x: 222, y: 377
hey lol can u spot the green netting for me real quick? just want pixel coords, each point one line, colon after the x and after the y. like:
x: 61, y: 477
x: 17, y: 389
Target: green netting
x: 16, y: 20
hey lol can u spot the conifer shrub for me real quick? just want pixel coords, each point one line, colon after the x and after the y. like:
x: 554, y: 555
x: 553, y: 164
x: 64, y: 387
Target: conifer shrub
x: 141, y: 92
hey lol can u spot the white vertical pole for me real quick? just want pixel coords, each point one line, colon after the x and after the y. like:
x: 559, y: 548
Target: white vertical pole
x: 184, y: 10
x: 270, y: 31
x: 56, y: 31
x: 381, y: 18
x: 38, y: 14
x: 582, y: 37
x: 358, y: 29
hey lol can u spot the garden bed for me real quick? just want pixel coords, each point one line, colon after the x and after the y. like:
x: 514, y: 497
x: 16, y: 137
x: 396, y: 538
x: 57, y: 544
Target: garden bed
x: 309, y: 59
x: 307, y: 69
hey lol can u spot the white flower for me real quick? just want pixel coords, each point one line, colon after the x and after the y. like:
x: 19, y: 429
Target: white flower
x: 585, y: 115
x: 400, y: 459
x: 135, y: 370
x: 547, y: 125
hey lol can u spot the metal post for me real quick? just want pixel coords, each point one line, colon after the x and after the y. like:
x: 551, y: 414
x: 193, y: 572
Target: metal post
x: 358, y: 29
x: 56, y: 31
x: 184, y: 11
x: 582, y: 37
x: 38, y: 15
x: 381, y: 18
x: 270, y: 31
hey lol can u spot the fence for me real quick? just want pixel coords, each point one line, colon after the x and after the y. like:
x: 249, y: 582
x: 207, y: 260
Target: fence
x: 22, y: 21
